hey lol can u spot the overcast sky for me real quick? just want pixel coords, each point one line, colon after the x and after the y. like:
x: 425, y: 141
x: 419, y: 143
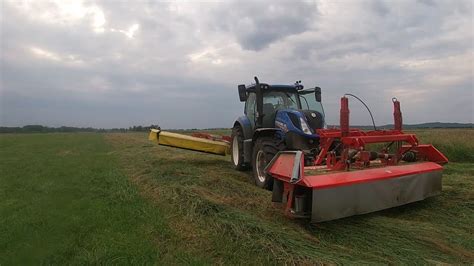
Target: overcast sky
x: 122, y: 63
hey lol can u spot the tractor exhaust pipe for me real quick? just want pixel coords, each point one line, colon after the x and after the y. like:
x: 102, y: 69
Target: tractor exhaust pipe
x: 259, y: 94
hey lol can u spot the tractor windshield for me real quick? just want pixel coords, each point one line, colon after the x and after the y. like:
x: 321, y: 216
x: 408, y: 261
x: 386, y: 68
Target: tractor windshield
x: 280, y: 100
x: 308, y: 102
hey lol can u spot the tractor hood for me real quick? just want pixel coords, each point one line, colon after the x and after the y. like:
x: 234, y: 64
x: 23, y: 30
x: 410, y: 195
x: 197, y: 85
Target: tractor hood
x: 296, y: 121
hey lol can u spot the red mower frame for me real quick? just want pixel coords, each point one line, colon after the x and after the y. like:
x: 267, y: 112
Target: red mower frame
x: 351, y: 164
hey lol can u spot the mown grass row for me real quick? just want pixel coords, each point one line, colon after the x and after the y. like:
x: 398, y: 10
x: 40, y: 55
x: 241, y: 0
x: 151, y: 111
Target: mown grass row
x: 216, y: 211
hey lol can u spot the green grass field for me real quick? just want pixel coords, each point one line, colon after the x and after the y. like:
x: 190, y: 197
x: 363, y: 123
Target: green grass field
x: 120, y: 199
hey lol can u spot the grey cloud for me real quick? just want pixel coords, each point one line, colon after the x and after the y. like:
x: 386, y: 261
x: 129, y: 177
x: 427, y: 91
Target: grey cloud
x: 381, y: 8
x: 399, y: 33
x: 257, y: 24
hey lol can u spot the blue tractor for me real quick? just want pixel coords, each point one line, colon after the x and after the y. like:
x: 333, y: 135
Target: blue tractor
x: 276, y: 118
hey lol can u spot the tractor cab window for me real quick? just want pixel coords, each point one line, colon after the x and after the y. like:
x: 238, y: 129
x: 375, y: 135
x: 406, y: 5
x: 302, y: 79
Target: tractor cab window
x: 250, y: 107
x: 308, y: 102
x: 276, y: 100
x: 250, y: 104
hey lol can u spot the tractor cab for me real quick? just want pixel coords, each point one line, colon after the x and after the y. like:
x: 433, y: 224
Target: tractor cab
x: 282, y: 98
x: 273, y: 99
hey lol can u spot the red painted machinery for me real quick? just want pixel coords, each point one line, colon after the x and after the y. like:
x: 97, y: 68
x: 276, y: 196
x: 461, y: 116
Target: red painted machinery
x: 356, y: 172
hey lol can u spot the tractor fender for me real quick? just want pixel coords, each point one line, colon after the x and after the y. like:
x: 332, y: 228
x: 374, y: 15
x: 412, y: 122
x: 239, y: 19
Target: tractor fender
x: 245, y: 125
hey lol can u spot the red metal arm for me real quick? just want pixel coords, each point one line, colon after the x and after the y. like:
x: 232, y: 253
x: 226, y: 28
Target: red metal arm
x: 397, y: 115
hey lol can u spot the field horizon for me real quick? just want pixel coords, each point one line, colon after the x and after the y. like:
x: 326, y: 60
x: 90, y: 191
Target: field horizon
x: 65, y: 128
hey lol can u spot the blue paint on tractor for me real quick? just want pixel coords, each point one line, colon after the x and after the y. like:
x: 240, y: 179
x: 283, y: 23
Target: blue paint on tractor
x: 284, y: 122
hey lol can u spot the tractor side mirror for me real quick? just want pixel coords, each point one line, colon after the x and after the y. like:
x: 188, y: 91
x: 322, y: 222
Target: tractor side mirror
x: 317, y: 94
x: 242, y: 93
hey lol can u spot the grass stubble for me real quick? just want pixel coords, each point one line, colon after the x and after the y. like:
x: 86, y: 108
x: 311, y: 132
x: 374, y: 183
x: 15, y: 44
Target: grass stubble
x: 120, y: 199
x: 217, y: 209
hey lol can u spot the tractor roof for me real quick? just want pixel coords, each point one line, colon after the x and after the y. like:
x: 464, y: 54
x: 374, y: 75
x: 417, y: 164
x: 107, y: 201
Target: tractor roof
x: 276, y: 87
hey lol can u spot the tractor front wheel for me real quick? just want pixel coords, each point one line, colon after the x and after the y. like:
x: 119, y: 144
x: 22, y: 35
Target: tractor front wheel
x: 264, y: 150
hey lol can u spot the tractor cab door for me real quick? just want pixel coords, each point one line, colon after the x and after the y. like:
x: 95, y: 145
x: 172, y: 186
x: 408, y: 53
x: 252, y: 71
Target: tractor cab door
x: 251, y: 109
x: 272, y: 101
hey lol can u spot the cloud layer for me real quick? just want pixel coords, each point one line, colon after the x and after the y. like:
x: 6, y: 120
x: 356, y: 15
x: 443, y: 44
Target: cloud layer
x: 116, y: 64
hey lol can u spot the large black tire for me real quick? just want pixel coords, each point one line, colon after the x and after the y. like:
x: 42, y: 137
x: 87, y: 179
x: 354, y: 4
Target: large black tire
x: 237, y: 149
x: 264, y: 150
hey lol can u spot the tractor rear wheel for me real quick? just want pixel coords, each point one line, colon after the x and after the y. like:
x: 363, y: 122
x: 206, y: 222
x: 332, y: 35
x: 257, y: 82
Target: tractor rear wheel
x: 237, y: 149
x: 264, y: 150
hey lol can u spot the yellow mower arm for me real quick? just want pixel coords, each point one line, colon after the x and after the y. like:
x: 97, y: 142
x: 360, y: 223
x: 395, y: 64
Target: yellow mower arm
x: 189, y: 142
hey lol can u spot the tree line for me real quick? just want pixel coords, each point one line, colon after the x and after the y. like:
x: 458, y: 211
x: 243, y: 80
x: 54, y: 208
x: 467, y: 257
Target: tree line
x: 45, y: 129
